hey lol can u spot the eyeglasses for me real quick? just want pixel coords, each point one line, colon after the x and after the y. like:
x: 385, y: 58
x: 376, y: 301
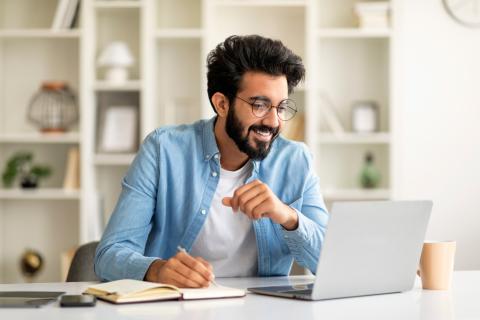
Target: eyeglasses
x: 286, y: 109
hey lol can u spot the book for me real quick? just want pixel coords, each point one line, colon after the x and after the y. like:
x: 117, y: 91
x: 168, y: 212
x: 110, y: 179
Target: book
x: 68, y: 18
x: 65, y: 14
x: 71, y: 179
x: 330, y: 117
x: 60, y: 12
x: 130, y: 291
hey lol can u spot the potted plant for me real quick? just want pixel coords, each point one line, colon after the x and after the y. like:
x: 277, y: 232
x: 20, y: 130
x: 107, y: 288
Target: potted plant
x: 20, y: 165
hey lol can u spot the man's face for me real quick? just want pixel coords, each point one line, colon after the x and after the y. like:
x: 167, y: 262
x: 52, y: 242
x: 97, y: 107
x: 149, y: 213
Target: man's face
x: 252, y: 135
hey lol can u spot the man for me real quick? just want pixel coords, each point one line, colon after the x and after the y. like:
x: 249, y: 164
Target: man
x: 226, y: 196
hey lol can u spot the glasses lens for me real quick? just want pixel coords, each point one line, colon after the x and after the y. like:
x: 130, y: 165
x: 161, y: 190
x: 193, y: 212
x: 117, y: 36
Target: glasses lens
x: 287, y: 110
x: 260, y: 108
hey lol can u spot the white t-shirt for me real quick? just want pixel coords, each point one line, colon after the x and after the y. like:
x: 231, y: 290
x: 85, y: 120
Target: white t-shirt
x: 227, y: 239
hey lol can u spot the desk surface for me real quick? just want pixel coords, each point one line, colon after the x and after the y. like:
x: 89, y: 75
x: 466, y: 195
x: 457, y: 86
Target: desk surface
x: 461, y: 302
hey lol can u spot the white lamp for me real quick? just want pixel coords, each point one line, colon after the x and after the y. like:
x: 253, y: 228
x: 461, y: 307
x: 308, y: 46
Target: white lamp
x: 116, y: 56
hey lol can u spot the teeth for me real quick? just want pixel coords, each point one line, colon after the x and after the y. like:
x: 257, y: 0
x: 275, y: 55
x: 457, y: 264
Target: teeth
x: 263, y: 133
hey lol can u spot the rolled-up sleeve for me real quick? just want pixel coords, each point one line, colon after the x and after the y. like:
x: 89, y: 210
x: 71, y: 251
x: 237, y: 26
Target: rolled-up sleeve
x: 306, y: 240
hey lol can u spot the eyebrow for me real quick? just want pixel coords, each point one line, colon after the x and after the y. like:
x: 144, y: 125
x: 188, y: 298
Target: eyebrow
x: 262, y: 98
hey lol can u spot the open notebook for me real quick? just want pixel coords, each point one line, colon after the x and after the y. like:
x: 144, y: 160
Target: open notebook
x: 128, y: 291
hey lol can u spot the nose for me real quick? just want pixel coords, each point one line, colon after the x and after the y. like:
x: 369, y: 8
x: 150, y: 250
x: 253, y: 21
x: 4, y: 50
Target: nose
x: 271, y: 119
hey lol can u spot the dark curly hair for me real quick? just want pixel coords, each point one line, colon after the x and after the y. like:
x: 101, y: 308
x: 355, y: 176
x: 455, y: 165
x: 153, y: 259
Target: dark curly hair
x: 227, y: 63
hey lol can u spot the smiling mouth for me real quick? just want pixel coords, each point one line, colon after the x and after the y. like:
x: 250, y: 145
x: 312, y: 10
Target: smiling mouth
x: 263, y: 134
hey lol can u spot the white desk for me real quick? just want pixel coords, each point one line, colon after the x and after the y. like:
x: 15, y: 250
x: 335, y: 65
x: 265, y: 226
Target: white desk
x: 461, y: 302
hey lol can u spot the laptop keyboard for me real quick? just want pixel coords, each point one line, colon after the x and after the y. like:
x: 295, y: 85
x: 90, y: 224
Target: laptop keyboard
x: 299, y: 292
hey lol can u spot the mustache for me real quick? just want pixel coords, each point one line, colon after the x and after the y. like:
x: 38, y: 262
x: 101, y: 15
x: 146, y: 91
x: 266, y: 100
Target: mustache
x: 273, y: 131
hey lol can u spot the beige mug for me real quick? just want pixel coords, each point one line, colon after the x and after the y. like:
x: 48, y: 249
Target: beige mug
x: 436, y: 264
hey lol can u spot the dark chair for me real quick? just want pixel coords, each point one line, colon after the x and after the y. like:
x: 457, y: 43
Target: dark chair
x: 81, y: 268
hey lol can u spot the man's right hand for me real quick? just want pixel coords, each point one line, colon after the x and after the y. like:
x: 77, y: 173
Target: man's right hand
x: 181, y: 270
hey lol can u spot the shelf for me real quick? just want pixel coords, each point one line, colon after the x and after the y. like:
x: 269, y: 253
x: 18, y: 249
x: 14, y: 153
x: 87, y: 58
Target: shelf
x: 39, y: 33
x: 356, y: 194
x: 117, y: 4
x: 178, y: 33
x: 133, y: 85
x: 114, y: 159
x: 261, y: 3
x: 40, y: 138
x: 353, y: 33
x: 354, y: 138
x: 39, y: 194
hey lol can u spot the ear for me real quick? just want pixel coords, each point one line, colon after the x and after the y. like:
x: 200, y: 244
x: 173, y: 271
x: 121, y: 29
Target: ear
x: 221, y: 104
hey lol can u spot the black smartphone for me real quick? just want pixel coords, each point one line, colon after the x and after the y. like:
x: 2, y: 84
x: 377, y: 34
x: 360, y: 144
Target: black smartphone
x: 80, y: 300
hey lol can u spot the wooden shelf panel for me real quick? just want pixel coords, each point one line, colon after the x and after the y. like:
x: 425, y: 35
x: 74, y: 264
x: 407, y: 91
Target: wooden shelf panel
x: 39, y: 194
x: 353, y: 33
x: 40, y: 138
x: 40, y: 33
x: 261, y: 3
x: 179, y: 33
x: 118, y: 4
x: 132, y: 85
x: 354, y: 138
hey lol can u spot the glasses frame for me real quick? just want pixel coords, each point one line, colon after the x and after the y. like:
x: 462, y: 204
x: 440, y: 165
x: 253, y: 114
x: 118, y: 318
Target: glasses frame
x: 271, y: 107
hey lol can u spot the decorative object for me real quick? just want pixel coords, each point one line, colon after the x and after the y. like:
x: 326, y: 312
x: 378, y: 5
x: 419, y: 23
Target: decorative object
x: 364, y: 117
x: 465, y: 12
x: 53, y: 108
x: 369, y: 176
x: 31, y: 263
x: 374, y: 14
x: 118, y: 129
x: 20, y: 164
x: 116, y: 56
x: 72, y: 171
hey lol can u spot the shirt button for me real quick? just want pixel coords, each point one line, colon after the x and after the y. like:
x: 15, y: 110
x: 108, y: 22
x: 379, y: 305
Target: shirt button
x: 204, y: 212
x: 216, y: 156
x: 214, y: 174
x: 207, y: 156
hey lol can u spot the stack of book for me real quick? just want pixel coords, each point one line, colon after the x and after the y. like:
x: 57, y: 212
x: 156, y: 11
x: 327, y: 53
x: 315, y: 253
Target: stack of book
x: 66, y: 14
x: 373, y: 14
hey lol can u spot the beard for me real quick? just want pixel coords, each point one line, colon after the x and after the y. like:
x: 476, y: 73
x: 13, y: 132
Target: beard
x: 234, y: 129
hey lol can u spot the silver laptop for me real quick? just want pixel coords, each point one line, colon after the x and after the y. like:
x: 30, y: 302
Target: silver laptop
x: 370, y: 247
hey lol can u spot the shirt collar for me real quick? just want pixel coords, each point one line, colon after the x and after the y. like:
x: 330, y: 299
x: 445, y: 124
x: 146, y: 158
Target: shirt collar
x: 210, y: 147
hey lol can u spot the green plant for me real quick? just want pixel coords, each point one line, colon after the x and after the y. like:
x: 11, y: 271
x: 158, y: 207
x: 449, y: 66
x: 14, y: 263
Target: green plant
x: 20, y: 164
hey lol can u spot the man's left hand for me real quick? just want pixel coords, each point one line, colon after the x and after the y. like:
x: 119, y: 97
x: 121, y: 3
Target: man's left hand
x: 256, y: 200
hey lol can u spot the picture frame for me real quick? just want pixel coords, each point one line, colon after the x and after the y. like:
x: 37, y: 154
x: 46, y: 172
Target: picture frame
x: 118, y: 129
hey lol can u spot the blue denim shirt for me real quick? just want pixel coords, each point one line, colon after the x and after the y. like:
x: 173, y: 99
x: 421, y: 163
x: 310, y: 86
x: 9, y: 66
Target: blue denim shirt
x: 167, y: 192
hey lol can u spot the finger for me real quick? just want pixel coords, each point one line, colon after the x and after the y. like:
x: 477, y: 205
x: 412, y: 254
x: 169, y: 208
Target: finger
x: 227, y: 201
x: 242, y: 190
x: 249, y: 207
x: 261, y: 210
x: 196, y: 265
x: 181, y: 281
x: 205, y: 263
x: 189, y: 273
x: 248, y: 195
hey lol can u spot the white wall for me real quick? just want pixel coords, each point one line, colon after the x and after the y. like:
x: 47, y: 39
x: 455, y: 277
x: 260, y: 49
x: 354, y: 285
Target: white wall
x: 438, y: 122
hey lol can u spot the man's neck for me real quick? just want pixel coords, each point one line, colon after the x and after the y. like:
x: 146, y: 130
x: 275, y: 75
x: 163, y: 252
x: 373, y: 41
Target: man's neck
x: 231, y: 157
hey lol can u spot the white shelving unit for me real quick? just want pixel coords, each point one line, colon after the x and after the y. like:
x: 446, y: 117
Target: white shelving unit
x: 170, y: 40
x: 47, y: 218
